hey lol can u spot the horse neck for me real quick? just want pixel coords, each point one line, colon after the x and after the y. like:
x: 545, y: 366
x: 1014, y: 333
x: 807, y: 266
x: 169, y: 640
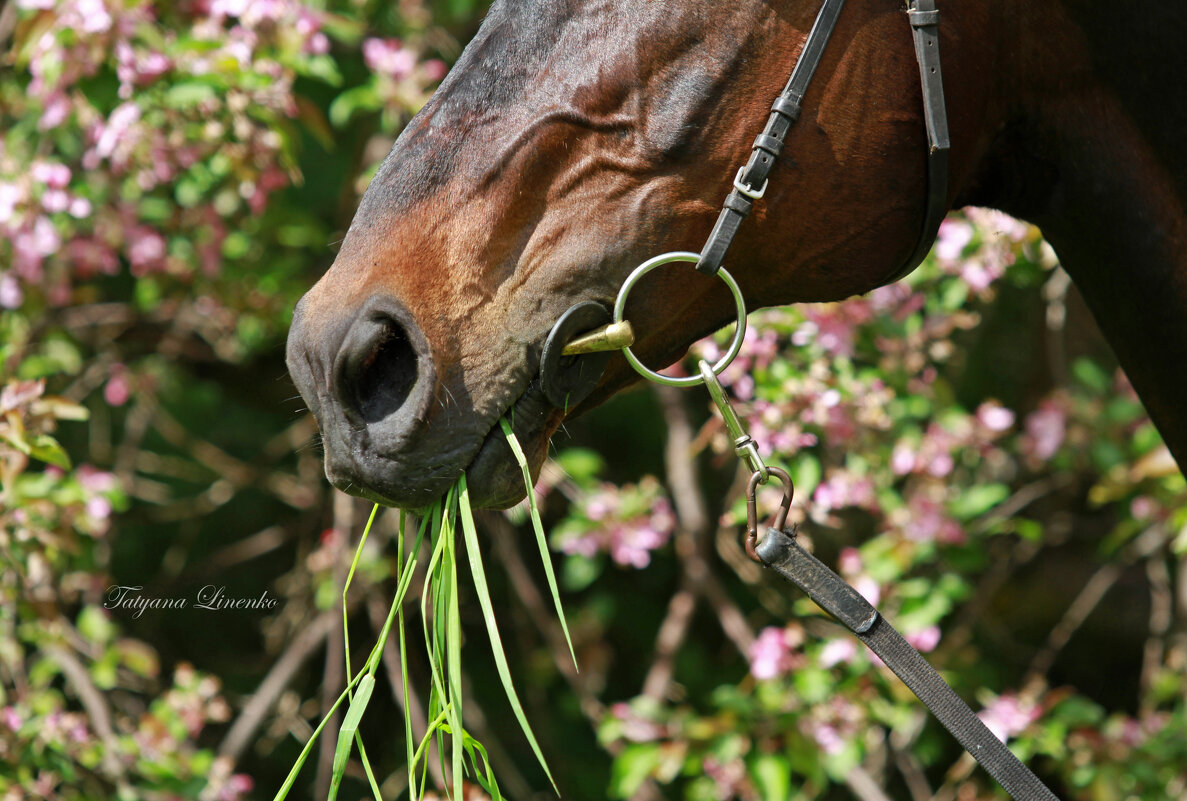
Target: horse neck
x: 1088, y: 147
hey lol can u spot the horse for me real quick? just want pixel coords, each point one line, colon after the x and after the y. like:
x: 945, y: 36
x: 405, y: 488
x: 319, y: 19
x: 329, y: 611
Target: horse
x: 574, y: 139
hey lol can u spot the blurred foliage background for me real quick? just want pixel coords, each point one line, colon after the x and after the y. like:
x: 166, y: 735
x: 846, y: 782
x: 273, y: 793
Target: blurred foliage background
x: 174, y: 175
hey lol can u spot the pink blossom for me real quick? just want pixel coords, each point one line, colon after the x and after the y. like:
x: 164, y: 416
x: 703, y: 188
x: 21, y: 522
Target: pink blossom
x: 868, y: 588
x: 635, y: 727
x: 925, y: 639
x: 10, y: 196
x: 927, y: 522
x: 237, y: 786
x: 828, y: 738
x: 118, y: 389
x: 57, y: 109
x: 952, y: 238
x: 843, y: 489
x: 116, y: 128
x: 318, y: 44
x: 1008, y: 715
x: 98, y: 508
x: 902, y: 459
x: 95, y: 480
x: 849, y: 562
x: 80, y: 208
x: 1045, y: 430
x: 55, y: 201
x: 1143, y: 507
x: 435, y: 69
x: 92, y: 14
x: 388, y: 57
x: 834, y: 652
x: 12, y: 718
x: 11, y: 294
x: 994, y: 416
x: 770, y: 653
x: 145, y: 249
x: 56, y: 176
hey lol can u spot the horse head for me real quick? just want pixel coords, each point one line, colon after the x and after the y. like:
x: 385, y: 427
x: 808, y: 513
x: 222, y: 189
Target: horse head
x: 572, y: 141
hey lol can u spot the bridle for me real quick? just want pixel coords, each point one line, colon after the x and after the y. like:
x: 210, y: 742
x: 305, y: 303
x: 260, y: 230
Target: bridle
x: 774, y: 547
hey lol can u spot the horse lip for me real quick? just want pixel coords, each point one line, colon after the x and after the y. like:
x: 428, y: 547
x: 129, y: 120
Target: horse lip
x: 492, y: 475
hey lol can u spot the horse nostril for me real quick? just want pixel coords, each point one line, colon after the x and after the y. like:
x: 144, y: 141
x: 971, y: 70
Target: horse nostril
x: 378, y: 367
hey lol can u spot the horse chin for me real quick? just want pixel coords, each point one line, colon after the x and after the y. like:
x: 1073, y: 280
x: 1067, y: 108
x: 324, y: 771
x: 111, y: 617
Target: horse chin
x: 493, y: 477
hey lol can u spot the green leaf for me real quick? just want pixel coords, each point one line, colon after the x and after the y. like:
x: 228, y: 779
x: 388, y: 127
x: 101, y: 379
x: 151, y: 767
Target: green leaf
x: 632, y: 767
x: 360, y: 98
x: 47, y: 449
x: 1091, y: 374
x: 470, y: 532
x: 978, y: 500
x: 772, y: 774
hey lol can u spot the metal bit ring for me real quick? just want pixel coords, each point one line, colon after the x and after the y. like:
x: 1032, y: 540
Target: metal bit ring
x: 735, y: 343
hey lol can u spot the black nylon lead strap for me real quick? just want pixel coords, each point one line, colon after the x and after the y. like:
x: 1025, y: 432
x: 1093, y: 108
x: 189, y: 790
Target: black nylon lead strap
x: 782, y: 553
x: 751, y: 181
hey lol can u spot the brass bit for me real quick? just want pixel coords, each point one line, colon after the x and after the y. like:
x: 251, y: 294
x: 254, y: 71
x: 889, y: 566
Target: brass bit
x: 614, y: 336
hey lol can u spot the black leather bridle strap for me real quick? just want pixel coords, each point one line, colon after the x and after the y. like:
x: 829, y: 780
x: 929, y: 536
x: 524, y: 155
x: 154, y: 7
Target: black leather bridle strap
x: 751, y: 182
x: 780, y: 552
x: 925, y: 28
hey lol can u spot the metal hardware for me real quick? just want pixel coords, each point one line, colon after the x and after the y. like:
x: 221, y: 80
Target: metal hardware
x: 779, y: 521
x: 743, y: 445
x: 735, y: 343
x: 753, y: 194
x: 612, y: 336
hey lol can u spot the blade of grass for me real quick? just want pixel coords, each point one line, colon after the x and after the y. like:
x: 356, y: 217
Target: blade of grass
x: 538, y: 527
x: 488, y: 613
x: 348, y: 732
x: 282, y: 793
x: 453, y: 649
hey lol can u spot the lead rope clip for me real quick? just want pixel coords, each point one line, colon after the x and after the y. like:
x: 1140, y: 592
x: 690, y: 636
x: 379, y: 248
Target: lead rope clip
x: 779, y: 521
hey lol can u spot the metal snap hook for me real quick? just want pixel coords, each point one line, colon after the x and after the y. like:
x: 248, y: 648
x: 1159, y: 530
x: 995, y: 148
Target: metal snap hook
x: 778, y: 521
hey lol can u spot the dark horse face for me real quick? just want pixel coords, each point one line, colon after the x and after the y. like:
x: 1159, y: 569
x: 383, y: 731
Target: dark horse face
x: 572, y: 141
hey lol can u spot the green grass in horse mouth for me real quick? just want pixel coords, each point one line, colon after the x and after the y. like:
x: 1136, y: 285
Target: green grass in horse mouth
x: 443, y: 644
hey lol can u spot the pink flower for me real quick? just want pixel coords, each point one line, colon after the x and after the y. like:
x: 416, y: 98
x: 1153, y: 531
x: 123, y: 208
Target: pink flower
x: 925, y: 639
x: 145, y: 249
x: 57, y: 109
x: 92, y: 14
x: 1046, y: 428
x: 99, y: 508
x: 388, y: 57
x: 10, y: 196
x: 11, y: 294
x: 770, y: 653
x: 902, y: 460
x: 842, y: 649
x: 828, y: 738
x: 11, y: 717
x: 434, y: 69
x: 994, y: 416
x: 928, y: 522
x: 80, y: 208
x: 635, y: 727
x: 118, y: 390
x: 117, y: 126
x: 1007, y: 715
x: 952, y: 238
x: 55, y: 201
x: 56, y: 176
x: 868, y: 588
x: 236, y: 787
